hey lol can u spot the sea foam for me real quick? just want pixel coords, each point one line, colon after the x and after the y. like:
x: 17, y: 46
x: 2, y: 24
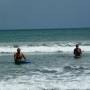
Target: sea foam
x: 45, y: 48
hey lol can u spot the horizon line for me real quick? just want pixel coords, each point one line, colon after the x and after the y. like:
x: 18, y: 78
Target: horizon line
x: 49, y: 28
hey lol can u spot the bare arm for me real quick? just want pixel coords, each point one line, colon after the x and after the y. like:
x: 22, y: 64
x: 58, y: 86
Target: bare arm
x: 74, y: 52
x: 80, y: 51
x: 23, y: 56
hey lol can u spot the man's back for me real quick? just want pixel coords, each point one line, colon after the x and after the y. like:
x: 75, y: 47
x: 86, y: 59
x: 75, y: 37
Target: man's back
x: 77, y: 51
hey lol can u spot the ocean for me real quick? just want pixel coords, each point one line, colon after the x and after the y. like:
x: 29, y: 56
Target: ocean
x: 52, y: 67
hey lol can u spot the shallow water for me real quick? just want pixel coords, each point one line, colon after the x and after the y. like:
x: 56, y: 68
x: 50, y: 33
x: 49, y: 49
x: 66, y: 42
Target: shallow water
x: 46, y: 72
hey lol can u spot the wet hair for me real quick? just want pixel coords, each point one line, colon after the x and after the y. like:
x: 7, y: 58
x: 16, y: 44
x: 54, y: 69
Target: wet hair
x: 18, y: 49
x: 77, y: 45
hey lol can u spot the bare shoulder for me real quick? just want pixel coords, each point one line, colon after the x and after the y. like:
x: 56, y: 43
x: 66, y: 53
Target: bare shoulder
x: 21, y: 53
x: 74, y: 49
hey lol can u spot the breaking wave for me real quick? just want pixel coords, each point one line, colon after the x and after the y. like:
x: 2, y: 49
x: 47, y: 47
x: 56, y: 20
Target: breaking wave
x: 52, y: 47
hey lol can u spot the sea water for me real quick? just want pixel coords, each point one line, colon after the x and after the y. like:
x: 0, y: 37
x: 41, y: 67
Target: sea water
x: 50, y: 51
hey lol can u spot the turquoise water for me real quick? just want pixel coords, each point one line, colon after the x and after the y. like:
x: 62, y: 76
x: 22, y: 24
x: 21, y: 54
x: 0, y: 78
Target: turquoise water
x: 44, y: 35
x: 51, y: 53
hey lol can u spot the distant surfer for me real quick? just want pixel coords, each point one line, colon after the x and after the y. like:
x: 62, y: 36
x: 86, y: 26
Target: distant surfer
x: 18, y: 56
x: 77, y: 51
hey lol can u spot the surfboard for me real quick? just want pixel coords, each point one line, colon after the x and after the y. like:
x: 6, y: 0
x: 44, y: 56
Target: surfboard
x: 25, y: 62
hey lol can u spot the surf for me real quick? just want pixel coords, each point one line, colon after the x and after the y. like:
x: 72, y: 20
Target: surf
x: 44, y: 47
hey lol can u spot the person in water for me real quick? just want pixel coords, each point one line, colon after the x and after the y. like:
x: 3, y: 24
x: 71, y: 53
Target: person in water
x: 18, y: 56
x: 77, y: 51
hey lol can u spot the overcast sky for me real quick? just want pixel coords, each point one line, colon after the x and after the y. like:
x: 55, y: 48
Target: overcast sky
x: 16, y: 14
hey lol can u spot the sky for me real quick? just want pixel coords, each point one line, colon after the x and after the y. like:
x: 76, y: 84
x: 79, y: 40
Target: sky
x: 28, y: 14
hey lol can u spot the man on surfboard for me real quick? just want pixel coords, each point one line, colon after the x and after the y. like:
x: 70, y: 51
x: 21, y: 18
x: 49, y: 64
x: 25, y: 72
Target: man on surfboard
x: 77, y: 51
x: 18, y: 56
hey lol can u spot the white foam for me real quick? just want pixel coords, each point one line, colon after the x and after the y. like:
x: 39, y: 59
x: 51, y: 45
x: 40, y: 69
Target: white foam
x: 41, y: 82
x: 43, y: 49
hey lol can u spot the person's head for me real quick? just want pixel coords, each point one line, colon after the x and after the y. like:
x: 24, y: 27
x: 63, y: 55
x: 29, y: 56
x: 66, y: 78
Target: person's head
x: 18, y: 50
x: 77, y: 45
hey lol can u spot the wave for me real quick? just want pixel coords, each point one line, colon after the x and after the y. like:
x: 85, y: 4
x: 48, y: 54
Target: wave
x: 69, y: 68
x: 46, y: 70
x: 42, y: 47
